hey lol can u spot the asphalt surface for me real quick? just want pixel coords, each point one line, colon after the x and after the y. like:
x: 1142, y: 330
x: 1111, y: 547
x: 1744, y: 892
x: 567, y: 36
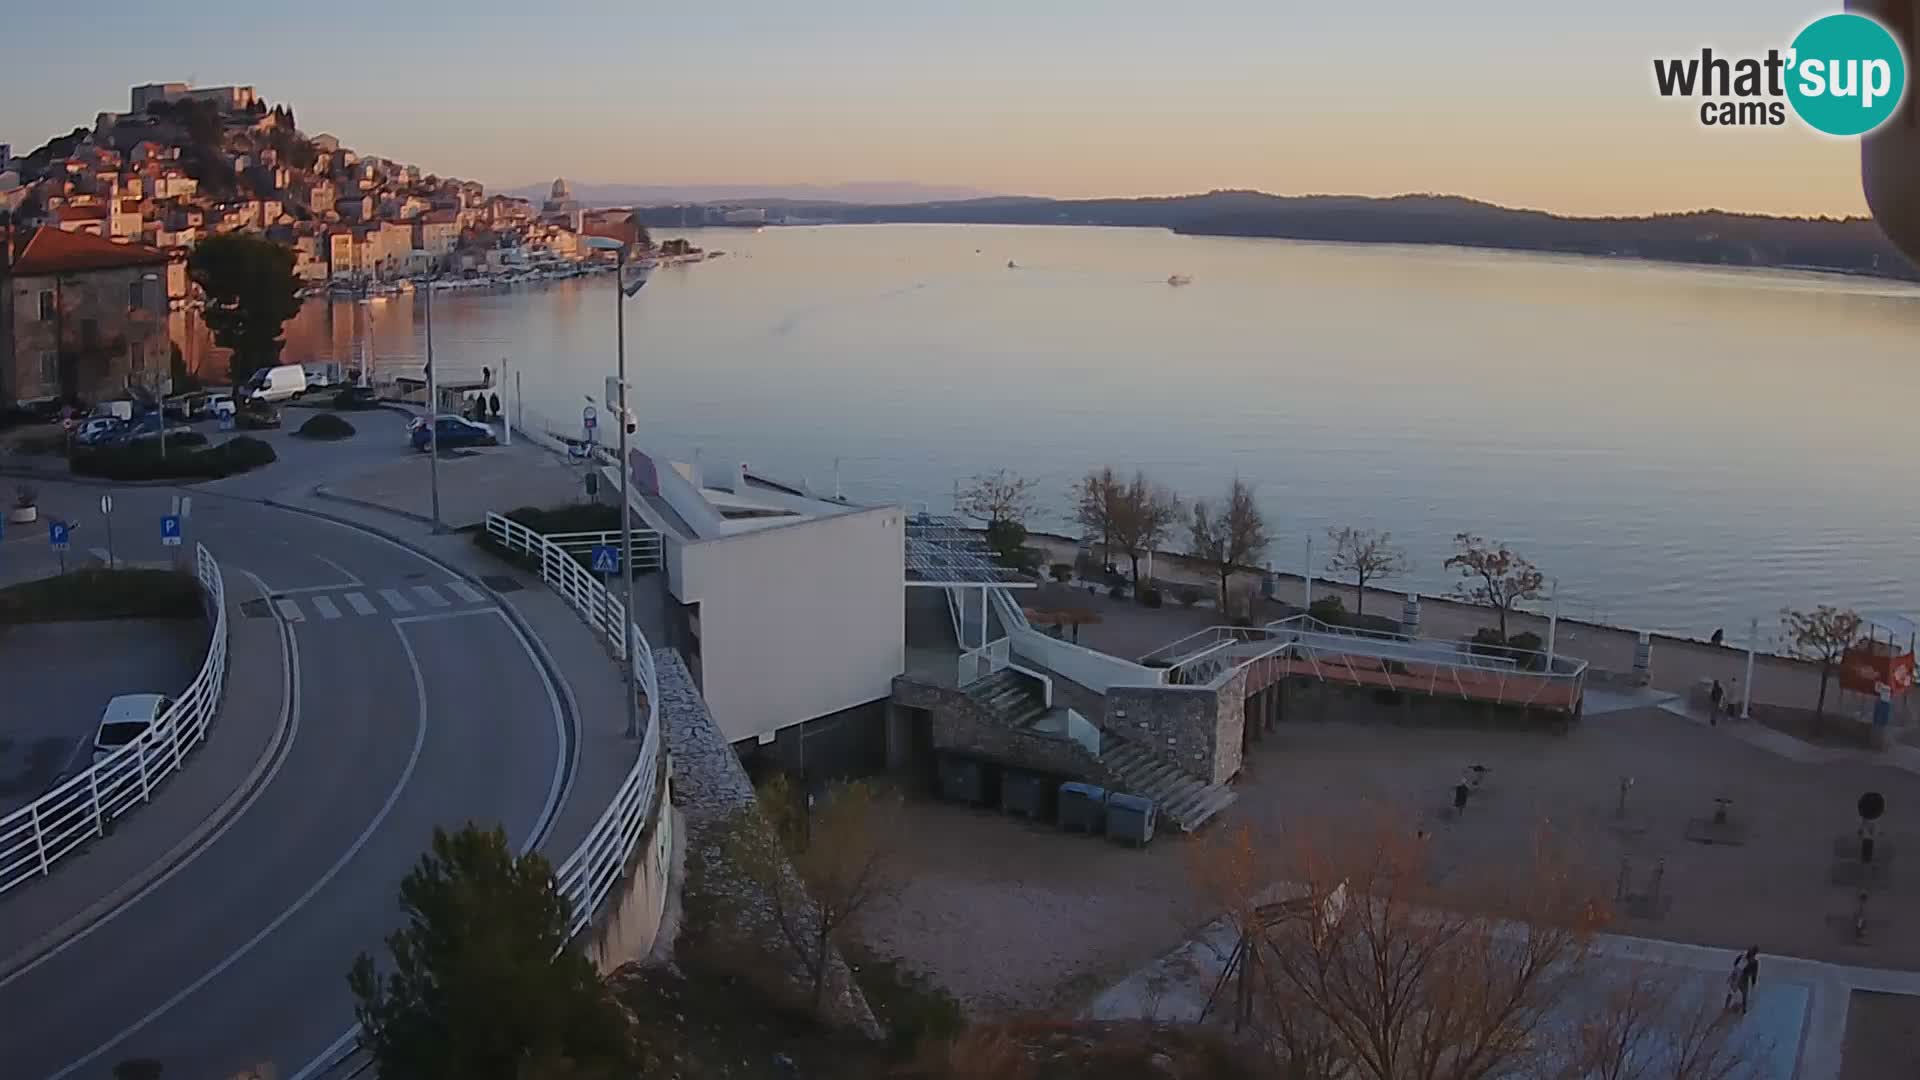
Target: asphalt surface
x: 415, y: 704
x: 59, y: 678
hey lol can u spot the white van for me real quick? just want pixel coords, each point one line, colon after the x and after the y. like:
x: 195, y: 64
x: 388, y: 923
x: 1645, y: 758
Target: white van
x: 288, y: 381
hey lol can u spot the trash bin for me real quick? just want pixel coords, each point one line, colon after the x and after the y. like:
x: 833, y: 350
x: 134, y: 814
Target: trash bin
x: 1024, y: 793
x: 962, y: 780
x: 1130, y: 818
x: 1083, y: 807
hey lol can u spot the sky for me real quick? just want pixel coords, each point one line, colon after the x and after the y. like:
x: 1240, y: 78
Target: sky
x: 1545, y: 104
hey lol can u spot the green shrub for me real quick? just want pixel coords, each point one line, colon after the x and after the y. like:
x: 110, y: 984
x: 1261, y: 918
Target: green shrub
x: 102, y: 594
x: 1062, y: 571
x: 1190, y: 595
x: 914, y: 1011
x: 142, y: 460
x: 1151, y: 597
x: 573, y: 517
x: 325, y: 426
x: 1117, y: 591
x: 1330, y: 610
x: 184, y: 440
x: 42, y: 442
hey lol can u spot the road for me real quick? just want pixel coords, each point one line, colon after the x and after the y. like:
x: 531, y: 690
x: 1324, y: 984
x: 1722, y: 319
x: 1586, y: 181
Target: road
x: 412, y: 702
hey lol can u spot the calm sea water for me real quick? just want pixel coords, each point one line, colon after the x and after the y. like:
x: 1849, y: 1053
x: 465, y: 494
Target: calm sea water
x: 1682, y: 448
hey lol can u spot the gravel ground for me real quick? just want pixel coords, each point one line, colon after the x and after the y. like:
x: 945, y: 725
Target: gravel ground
x: 1010, y: 916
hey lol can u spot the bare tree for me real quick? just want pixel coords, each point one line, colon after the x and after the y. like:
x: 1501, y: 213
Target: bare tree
x: 1823, y: 636
x: 1370, y: 969
x: 1096, y: 506
x: 1493, y: 575
x: 1366, y: 556
x: 1147, y: 512
x: 1231, y: 538
x: 817, y: 875
x: 998, y: 497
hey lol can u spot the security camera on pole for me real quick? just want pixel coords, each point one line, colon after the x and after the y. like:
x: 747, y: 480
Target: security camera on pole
x: 625, y: 286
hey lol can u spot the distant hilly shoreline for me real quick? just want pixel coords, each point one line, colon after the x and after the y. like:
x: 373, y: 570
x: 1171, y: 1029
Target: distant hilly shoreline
x: 1702, y: 237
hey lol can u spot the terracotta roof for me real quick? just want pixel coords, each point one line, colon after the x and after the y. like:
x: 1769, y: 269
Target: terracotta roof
x: 55, y: 251
x: 81, y: 213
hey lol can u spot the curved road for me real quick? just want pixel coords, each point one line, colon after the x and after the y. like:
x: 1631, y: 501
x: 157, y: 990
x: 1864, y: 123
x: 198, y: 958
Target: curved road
x: 412, y: 702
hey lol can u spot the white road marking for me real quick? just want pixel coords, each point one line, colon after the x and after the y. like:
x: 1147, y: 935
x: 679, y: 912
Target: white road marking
x: 290, y: 730
x: 344, y: 572
x: 360, y: 604
x: 465, y: 592
x: 431, y: 598
x: 105, y: 557
x: 393, y: 798
x: 325, y: 607
x: 563, y: 768
x: 395, y: 600
x: 289, y: 609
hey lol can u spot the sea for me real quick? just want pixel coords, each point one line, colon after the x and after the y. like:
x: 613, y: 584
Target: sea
x: 1678, y: 448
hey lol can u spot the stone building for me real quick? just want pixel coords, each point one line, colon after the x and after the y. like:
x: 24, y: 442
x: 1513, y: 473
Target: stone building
x: 81, y: 316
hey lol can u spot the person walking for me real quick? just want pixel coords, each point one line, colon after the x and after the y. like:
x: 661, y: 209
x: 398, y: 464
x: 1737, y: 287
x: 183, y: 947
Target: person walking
x: 1716, y: 695
x: 493, y: 402
x: 1740, y: 981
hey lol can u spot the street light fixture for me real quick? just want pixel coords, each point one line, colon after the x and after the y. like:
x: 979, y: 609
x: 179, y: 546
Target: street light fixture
x: 622, y: 290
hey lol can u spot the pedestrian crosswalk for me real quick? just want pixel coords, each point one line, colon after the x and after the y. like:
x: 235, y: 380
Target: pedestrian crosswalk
x: 345, y: 604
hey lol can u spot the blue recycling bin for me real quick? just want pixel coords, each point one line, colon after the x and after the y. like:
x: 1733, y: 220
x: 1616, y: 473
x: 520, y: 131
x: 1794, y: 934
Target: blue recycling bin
x: 1083, y: 808
x: 962, y: 780
x: 1130, y: 818
x: 1025, y: 793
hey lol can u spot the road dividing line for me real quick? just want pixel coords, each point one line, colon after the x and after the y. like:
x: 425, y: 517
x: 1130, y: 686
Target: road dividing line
x: 465, y: 592
x: 395, y: 600
x: 289, y: 609
x: 344, y: 572
x: 431, y: 598
x: 360, y: 604
x: 325, y: 607
x: 386, y: 808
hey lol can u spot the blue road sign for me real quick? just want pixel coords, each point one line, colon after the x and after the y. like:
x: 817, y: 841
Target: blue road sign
x: 606, y: 559
x: 226, y: 421
x: 57, y: 535
x: 170, y: 530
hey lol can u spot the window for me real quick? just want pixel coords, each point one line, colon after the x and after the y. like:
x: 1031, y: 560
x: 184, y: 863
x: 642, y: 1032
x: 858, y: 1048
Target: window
x: 136, y: 295
x: 49, y: 368
x: 47, y: 308
x: 137, y: 356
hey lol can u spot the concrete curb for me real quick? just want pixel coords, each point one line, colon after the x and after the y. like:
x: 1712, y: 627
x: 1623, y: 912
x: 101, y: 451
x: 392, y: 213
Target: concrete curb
x: 348, y: 500
x: 87, y: 916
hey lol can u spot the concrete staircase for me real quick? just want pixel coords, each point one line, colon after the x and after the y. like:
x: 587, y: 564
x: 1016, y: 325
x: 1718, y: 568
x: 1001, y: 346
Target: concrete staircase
x: 1183, y: 799
x: 1010, y: 697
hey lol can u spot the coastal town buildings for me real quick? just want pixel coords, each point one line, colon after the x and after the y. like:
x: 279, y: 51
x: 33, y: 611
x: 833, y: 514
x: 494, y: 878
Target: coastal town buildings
x: 184, y: 163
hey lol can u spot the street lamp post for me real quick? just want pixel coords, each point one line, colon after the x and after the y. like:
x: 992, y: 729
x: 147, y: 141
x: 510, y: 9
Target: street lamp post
x: 433, y: 419
x: 620, y: 294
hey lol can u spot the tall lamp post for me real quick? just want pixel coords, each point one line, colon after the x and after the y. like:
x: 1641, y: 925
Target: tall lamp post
x: 433, y: 420
x: 622, y: 290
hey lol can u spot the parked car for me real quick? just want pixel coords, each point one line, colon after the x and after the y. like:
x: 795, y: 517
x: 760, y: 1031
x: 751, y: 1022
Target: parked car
x: 185, y: 407
x: 125, y: 719
x: 318, y: 377
x: 452, y: 432
x: 99, y: 431
x: 117, y: 410
x: 219, y: 405
x: 356, y: 397
x: 254, y: 414
x: 284, y: 383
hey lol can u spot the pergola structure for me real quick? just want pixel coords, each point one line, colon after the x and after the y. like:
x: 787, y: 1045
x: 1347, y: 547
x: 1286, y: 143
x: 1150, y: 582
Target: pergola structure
x: 945, y: 553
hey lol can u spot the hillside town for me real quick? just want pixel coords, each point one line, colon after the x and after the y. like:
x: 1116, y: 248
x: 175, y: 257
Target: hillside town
x: 96, y: 226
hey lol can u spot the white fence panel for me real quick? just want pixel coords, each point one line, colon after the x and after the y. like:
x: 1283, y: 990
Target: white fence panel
x: 60, y: 822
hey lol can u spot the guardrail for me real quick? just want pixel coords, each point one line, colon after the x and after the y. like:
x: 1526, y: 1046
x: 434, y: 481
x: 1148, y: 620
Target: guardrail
x: 646, y: 545
x: 60, y: 822
x: 594, y: 868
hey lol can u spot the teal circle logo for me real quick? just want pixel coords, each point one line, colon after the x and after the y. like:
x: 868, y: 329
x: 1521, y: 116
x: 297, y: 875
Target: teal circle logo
x: 1847, y: 74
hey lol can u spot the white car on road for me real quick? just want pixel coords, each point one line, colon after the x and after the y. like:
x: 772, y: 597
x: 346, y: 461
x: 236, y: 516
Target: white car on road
x: 126, y: 718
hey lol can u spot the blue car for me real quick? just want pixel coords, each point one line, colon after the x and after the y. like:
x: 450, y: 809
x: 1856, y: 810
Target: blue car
x: 454, y: 432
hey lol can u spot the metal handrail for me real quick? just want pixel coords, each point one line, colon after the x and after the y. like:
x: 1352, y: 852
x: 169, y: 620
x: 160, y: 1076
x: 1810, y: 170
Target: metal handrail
x: 594, y: 868
x: 60, y: 822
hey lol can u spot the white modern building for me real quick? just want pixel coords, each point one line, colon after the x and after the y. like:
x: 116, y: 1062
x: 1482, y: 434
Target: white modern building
x: 789, y: 606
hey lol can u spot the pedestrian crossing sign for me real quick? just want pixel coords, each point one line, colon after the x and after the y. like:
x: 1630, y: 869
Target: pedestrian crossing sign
x: 606, y: 559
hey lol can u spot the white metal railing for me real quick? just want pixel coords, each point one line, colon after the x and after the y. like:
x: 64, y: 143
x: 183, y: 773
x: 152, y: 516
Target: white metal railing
x: 60, y: 822
x: 1082, y: 731
x: 976, y: 664
x: 646, y: 545
x: 595, y: 866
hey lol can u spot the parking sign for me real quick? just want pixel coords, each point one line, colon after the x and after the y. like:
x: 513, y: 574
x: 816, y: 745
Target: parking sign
x: 57, y: 535
x: 170, y: 530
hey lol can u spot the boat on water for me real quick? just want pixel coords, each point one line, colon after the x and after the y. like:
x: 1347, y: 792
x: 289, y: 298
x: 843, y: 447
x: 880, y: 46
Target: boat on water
x: 1011, y: 266
x: 1179, y: 279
